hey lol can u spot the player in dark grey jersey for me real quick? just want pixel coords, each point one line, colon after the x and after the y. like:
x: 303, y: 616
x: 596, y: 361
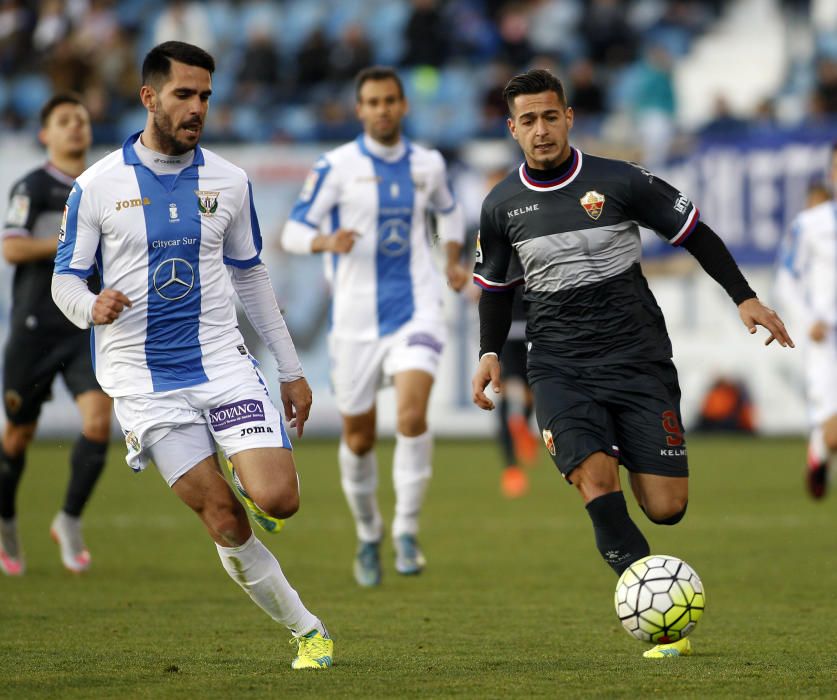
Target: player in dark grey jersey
x: 566, y: 225
x: 42, y: 343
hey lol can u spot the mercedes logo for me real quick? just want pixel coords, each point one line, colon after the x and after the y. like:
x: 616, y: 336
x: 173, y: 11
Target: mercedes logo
x: 394, y: 237
x: 174, y: 278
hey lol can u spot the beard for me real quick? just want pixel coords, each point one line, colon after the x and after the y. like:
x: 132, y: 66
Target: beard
x: 164, y: 134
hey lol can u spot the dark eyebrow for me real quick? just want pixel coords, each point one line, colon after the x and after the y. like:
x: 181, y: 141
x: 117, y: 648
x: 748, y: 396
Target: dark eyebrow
x: 546, y: 113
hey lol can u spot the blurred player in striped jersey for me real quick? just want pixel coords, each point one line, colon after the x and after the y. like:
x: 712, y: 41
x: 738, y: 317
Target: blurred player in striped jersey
x: 365, y: 206
x: 807, y: 283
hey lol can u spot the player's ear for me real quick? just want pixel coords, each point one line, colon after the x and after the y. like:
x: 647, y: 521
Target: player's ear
x: 148, y: 97
x: 570, y: 117
x: 512, y: 129
x: 42, y: 136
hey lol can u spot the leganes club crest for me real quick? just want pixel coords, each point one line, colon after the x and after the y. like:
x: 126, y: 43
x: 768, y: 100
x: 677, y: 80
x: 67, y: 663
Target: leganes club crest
x: 207, y: 202
x: 593, y: 203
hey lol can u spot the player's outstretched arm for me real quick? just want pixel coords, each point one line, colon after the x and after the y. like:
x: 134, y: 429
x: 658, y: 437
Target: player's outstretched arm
x: 108, y: 305
x: 488, y: 371
x: 753, y: 313
x: 296, y: 399
x: 341, y: 241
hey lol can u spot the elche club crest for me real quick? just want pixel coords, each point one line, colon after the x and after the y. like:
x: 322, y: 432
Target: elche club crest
x: 593, y: 203
x: 549, y: 441
x: 207, y: 202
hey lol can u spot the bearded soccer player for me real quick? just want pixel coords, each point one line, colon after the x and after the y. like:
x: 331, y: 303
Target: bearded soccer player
x: 365, y: 206
x: 42, y: 343
x: 171, y: 228
x: 565, y: 224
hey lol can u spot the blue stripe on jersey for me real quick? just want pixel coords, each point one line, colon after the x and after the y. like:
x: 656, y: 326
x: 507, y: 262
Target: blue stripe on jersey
x: 395, y: 225
x: 173, y: 230
x: 788, y: 249
x: 309, y: 192
x: 67, y: 239
x: 335, y: 260
x: 257, y: 237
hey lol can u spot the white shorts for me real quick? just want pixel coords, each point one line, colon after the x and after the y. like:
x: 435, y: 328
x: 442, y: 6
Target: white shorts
x: 179, y: 428
x: 360, y: 368
x: 821, y: 376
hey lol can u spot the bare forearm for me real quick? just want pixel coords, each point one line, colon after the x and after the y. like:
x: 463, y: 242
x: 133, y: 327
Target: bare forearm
x: 24, y: 249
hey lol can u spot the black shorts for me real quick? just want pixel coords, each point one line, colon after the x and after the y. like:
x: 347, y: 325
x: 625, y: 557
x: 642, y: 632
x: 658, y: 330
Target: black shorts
x: 629, y: 411
x: 513, y: 360
x: 31, y: 362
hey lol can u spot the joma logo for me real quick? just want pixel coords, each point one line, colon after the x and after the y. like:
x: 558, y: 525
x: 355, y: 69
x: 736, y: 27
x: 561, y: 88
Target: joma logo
x: 128, y: 203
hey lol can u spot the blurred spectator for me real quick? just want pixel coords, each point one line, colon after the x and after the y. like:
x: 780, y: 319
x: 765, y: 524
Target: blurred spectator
x: 585, y: 95
x: 16, y: 26
x: 494, y: 107
x: 312, y: 67
x: 52, y: 27
x: 258, y: 78
x: 654, y: 106
x: 97, y: 30
x: 724, y: 123
x: 425, y: 36
x: 825, y: 91
x: 513, y: 24
x: 610, y: 38
x: 118, y: 70
x: 185, y: 21
x: 553, y: 28
x: 350, y: 54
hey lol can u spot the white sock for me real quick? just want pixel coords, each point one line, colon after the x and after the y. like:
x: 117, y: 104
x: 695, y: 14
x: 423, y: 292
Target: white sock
x: 359, y: 478
x: 411, y: 470
x: 253, y: 567
x: 817, y: 450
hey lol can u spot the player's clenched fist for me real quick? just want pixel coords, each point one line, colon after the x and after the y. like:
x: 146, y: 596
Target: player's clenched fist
x: 108, y: 305
x: 488, y: 371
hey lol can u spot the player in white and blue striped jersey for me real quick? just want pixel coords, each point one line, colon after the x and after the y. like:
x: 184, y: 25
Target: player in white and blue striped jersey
x: 365, y: 205
x: 173, y: 231
x: 807, y: 279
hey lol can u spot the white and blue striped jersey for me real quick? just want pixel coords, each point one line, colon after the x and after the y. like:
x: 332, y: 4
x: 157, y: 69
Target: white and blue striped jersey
x: 808, y: 264
x: 384, y: 195
x: 164, y: 241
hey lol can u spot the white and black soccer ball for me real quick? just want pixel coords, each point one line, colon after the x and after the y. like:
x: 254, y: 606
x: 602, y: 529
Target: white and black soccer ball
x: 659, y: 599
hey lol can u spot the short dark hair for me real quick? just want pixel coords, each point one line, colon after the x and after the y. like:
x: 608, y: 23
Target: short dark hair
x: 156, y: 67
x: 61, y: 98
x: 533, y: 82
x: 377, y: 73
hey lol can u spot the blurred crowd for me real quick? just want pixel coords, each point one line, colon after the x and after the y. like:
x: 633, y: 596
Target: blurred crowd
x: 284, y: 68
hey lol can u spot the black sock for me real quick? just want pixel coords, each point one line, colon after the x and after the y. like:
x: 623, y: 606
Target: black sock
x: 506, y: 443
x: 617, y: 537
x: 87, y: 462
x: 11, y: 469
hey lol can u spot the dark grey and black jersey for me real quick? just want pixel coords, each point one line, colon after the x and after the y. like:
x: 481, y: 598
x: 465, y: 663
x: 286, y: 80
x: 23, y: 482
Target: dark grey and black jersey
x: 575, y: 243
x: 36, y: 205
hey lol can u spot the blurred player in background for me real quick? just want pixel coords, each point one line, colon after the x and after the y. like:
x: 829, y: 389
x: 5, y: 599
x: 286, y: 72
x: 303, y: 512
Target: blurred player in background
x: 365, y: 206
x: 514, y: 407
x: 565, y: 224
x: 807, y: 283
x: 170, y: 226
x: 42, y: 343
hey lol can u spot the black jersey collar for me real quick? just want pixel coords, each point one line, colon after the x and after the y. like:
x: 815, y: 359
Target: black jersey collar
x: 556, y: 184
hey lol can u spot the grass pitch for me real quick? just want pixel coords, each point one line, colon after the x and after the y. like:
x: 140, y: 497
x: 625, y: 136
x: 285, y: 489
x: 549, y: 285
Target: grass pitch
x: 515, y: 601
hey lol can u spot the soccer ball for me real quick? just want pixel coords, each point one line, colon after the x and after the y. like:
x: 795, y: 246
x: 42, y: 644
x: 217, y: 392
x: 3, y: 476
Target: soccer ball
x: 659, y: 599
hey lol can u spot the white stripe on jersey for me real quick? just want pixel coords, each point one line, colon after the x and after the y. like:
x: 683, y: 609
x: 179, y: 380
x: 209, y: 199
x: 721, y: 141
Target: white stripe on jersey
x: 810, y: 255
x: 163, y: 241
x: 389, y: 277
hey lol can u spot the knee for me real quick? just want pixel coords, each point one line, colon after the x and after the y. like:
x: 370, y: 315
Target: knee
x: 669, y: 513
x: 16, y: 439
x: 97, y: 428
x: 411, y: 421
x: 360, y: 442
x: 277, y: 503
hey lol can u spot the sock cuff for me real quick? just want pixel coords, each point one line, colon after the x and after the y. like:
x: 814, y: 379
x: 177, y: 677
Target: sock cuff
x: 92, y: 445
x: 610, y: 508
x: 425, y: 437
x: 241, y: 549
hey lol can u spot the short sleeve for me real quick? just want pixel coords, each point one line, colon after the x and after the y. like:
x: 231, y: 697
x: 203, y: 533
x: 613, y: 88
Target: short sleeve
x: 243, y: 240
x: 657, y: 205
x: 22, y: 211
x: 78, y: 236
x: 497, y: 267
x: 319, y: 194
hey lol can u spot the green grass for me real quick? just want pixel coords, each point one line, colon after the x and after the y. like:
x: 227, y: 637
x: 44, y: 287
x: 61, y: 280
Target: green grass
x: 515, y: 602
